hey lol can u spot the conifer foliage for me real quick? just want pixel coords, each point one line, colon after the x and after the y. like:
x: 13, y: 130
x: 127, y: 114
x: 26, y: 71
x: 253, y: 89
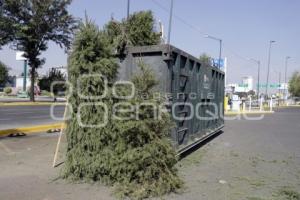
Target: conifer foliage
x: 145, y: 157
x: 88, y: 150
x: 132, y: 151
x: 137, y: 30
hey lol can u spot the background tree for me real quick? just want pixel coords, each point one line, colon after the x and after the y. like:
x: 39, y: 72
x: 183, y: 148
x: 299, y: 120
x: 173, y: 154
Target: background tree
x: 3, y: 74
x: 206, y: 59
x: 251, y: 93
x: 242, y: 94
x: 34, y: 24
x: 294, y: 85
x: 53, y: 75
x: 6, y: 28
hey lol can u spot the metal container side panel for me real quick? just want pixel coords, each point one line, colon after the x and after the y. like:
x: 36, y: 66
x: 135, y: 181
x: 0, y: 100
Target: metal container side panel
x: 130, y: 66
x: 181, y: 88
x: 180, y: 73
x: 201, y: 99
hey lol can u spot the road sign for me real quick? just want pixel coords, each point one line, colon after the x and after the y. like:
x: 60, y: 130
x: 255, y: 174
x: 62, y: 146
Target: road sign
x: 20, y: 55
x: 216, y: 62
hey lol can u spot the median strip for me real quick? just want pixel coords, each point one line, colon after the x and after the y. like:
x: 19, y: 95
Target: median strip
x: 31, y: 129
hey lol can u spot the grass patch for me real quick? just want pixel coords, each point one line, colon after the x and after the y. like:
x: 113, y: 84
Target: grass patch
x: 253, y: 182
x: 255, y: 198
x: 234, y: 154
x: 192, y: 159
x: 254, y: 160
x: 288, y: 193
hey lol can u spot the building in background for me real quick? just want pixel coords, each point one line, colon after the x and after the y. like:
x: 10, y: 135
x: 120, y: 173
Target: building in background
x: 20, y: 82
x: 246, y: 86
x: 247, y: 83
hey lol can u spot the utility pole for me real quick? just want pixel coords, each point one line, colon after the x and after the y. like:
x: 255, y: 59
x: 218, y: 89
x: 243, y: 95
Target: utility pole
x: 25, y: 76
x: 258, y: 79
x: 279, y: 83
x: 170, y: 22
x: 220, y: 47
x: 278, y: 86
x: 220, y: 54
x: 258, y: 75
x: 268, y: 72
x: 285, y: 77
x: 128, y: 8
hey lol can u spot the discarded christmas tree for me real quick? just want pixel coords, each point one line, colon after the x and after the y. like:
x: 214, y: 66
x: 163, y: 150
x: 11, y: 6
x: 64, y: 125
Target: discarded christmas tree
x: 137, y: 30
x: 131, y: 151
x: 144, y: 157
x: 89, y: 149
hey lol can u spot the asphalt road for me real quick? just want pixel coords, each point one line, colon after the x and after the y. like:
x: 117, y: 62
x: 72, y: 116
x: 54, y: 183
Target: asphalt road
x: 22, y: 116
x: 37, y: 99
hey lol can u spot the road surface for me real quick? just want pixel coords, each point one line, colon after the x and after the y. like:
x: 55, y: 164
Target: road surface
x: 251, y: 160
x: 22, y: 116
x: 37, y: 99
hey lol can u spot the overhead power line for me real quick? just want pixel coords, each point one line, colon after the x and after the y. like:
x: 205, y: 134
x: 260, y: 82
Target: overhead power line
x: 179, y: 18
x: 195, y: 28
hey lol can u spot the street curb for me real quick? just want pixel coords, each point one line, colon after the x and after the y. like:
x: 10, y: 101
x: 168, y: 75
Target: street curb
x: 290, y: 106
x: 31, y: 104
x: 31, y: 129
x: 247, y: 113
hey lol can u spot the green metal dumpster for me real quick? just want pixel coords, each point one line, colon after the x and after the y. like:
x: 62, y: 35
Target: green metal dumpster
x: 196, y: 90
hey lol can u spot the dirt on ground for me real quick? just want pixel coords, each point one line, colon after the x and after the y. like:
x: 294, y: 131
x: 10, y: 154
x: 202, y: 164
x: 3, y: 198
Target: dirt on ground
x: 251, y: 160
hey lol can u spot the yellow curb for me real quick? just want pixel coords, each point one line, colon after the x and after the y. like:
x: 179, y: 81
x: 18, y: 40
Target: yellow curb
x: 31, y: 104
x: 247, y: 112
x: 32, y: 129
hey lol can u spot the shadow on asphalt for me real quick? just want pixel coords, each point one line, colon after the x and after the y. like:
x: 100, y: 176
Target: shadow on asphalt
x: 195, y: 148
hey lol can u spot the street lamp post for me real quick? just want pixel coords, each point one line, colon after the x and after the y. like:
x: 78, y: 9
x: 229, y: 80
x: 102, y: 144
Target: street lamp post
x: 220, y: 50
x: 268, y: 72
x: 258, y: 75
x: 285, y: 77
x: 278, y: 85
x: 220, y: 53
x: 279, y: 82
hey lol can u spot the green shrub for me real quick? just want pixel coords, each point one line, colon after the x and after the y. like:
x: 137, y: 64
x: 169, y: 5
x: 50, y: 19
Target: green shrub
x: 45, y: 93
x: 53, y: 76
x: 7, y: 90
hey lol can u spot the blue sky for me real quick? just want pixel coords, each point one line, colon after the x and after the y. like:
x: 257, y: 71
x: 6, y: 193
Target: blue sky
x: 246, y: 27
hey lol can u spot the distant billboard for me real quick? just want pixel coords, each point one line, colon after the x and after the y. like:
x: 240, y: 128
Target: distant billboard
x: 20, y: 55
x: 216, y: 63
